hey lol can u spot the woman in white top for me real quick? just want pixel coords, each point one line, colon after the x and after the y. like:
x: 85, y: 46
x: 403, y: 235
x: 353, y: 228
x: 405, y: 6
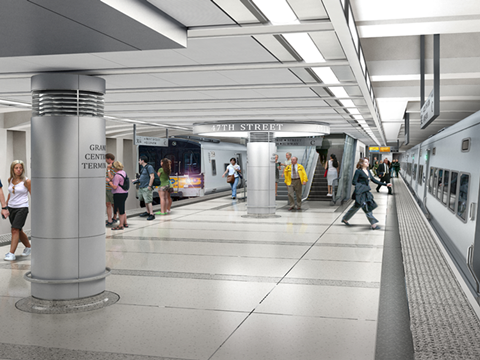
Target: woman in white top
x: 233, y: 169
x: 332, y: 173
x: 18, y: 189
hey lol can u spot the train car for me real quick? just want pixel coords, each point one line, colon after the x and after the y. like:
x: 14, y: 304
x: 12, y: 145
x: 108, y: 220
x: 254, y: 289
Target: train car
x: 443, y: 173
x: 197, y: 164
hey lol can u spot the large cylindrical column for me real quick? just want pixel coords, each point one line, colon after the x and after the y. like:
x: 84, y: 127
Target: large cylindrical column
x: 68, y: 186
x: 261, y: 174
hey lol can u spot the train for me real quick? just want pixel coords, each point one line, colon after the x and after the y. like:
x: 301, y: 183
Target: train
x: 197, y: 164
x: 443, y: 174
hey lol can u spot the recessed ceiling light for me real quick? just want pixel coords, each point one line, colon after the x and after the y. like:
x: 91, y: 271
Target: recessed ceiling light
x: 278, y: 12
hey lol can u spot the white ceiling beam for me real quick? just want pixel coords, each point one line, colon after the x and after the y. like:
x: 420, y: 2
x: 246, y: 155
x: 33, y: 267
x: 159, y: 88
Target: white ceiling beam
x: 252, y: 30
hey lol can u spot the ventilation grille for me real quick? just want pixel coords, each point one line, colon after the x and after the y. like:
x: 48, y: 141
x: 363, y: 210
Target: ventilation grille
x: 67, y: 103
x: 262, y: 137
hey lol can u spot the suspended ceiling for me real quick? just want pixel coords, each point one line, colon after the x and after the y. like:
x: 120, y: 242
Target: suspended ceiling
x: 238, y: 66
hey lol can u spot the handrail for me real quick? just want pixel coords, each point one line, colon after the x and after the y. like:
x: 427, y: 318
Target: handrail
x: 470, y: 267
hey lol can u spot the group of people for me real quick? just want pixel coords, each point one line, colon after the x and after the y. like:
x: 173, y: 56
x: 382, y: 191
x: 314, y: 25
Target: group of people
x: 116, y: 194
x: 394, y: 167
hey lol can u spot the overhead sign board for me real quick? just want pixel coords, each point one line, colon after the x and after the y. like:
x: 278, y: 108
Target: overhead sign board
x: 300, y: 141
x: 385, y: 149
x: 374, y: 149
x: 151, y: 141
x: 430, y: 110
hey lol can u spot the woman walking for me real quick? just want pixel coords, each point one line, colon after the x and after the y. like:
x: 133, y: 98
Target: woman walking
x: 164, y: 175
x: 332, y: 172
x: 362, y: 195
x: 233, y: 169
x: 170, y: 189
x: 119, y: 195
x: 17, y: 202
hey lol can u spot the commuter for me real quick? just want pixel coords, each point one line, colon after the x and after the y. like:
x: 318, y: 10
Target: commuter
x: 17, y: 202
x: 164, y: 175
x: 288, y: 155
x: 278, y: 166
x: 375, y: 167
x: 362, y: 195
x: 396, y: 168
x: 119, y: 195
x: 145, y: 191
x: 295, y: 177
x: 233, y: 170
x: 5, y: 212
x: 110, y: 158
x: 383, y: 172
x: 170, y: 189
x: 390, y: 167
x: 332, y: 172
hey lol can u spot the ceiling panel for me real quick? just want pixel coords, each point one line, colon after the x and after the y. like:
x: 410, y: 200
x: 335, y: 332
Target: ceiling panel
x: 308, y: 9
x: 236, y: 10
x: 271, y: 43
x: 135, y: 81
x: 200, y: 78
x: 264, y: 76
x: 146, y: 58
x: 193, y: 12
x: 328, y: 44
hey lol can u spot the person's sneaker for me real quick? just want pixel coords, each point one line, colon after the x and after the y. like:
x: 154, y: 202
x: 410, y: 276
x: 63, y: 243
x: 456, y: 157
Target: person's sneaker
x: 151, y: 217
x: 291, y: 208
x: 329, y: 194
x: 9, y: 257
x: 145, y: 214
x: 26, y: 251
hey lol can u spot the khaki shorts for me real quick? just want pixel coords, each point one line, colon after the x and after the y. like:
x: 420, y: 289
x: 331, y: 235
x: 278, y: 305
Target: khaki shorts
x: 109, y: 196
x: 145, y: 195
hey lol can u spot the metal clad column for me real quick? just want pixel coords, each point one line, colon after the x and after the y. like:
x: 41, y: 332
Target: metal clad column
x: 68, y: 186
x: 261, y: 174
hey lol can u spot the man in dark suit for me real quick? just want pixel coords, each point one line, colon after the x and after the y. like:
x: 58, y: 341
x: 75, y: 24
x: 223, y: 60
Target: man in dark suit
x: 383, y: 172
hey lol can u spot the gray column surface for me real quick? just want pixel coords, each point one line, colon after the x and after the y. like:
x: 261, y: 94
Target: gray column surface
x: 68, y: 188
x: 261, y: 178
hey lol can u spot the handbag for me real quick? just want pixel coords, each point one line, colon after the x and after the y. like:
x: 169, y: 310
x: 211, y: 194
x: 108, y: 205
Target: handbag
x: 325, y: 175
x: 230, y: 179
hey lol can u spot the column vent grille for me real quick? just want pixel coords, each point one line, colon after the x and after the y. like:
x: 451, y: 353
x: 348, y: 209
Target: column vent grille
x: 262, y: 137
x: 67, y: 103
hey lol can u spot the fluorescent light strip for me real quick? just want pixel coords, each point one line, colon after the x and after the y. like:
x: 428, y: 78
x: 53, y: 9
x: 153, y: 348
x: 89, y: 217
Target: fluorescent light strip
x: 14, y: 103
x: 278, y: 12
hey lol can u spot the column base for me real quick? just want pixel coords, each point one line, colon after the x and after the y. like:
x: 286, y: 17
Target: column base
x: 38, y: 306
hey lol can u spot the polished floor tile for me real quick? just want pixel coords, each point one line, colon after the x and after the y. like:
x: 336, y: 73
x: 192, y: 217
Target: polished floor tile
x: 281, y: 337
x: 322, y: 301
x: 356, y: 254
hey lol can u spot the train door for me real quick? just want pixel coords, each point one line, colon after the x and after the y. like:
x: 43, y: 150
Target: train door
x: 243, y: 168
x: 473, y: 256
x: 428, y: 178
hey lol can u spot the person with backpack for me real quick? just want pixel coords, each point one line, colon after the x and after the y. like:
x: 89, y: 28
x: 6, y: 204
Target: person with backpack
x: 332, y: 172
x: 120, y: 185
x: 146, y: 183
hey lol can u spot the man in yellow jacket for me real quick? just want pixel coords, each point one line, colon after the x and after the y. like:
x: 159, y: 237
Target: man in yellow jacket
x: 295, y: 177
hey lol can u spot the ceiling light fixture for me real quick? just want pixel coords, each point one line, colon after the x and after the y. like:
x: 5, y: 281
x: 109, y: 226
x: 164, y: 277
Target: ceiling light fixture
x: 278, y: 12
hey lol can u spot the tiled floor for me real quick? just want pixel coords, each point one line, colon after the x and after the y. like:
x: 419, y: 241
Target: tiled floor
x: 207, y: 283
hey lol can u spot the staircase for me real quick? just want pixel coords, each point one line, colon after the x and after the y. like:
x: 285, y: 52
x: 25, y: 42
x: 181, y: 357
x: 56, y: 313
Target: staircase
x: 319, y: 188
x: 282, y: 193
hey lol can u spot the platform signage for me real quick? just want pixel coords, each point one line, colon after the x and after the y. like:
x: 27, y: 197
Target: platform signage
x: 300, y: 141
x: 151, y: 141
x: 385, y: 149
x: 374, y: 149
x: 430, y: 110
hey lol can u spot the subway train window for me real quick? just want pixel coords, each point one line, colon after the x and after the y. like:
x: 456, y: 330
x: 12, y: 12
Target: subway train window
x: 420, y: 174
x: 466, y: 145
x: 462, y: 201
x: 435, y: 182
x: 434, y: 151
x: 414, y: 176
x: 409, y: 168
x: 453, y: 191
x: 430, y: 181
x: 191, y: 162
x: 214, y: 167
x: 446, y: 178
x: 440, y: 184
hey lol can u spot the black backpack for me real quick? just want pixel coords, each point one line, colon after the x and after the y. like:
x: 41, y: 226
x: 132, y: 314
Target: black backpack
x: 126, y: 182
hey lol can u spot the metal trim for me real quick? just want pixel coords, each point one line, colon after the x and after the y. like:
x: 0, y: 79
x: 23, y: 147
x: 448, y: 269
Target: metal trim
x: 27, y: 276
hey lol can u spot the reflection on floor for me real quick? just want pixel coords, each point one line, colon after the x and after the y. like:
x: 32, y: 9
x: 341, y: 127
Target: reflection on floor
x: 205, y: 283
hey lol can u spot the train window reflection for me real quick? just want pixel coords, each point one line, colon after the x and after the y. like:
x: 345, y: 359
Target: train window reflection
x: 446, y: 179
x: 414, y: 176
x: 430, y: 181
x: 435, y: 183
x: 214, y: 167
x: 453, y: 191
x: 192, y: 162
x: 463, y: 197
x: 420, y: 174
x: 440, y: 184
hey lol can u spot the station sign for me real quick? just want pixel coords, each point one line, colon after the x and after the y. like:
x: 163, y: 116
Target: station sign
x: 151, y: 141
x: 385, y: 149
x: 300, y: 141
x: 430, y: 110
x: 374, y: 149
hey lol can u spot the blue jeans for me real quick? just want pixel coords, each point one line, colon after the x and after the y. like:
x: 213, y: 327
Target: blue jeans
x: 234, y: 187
